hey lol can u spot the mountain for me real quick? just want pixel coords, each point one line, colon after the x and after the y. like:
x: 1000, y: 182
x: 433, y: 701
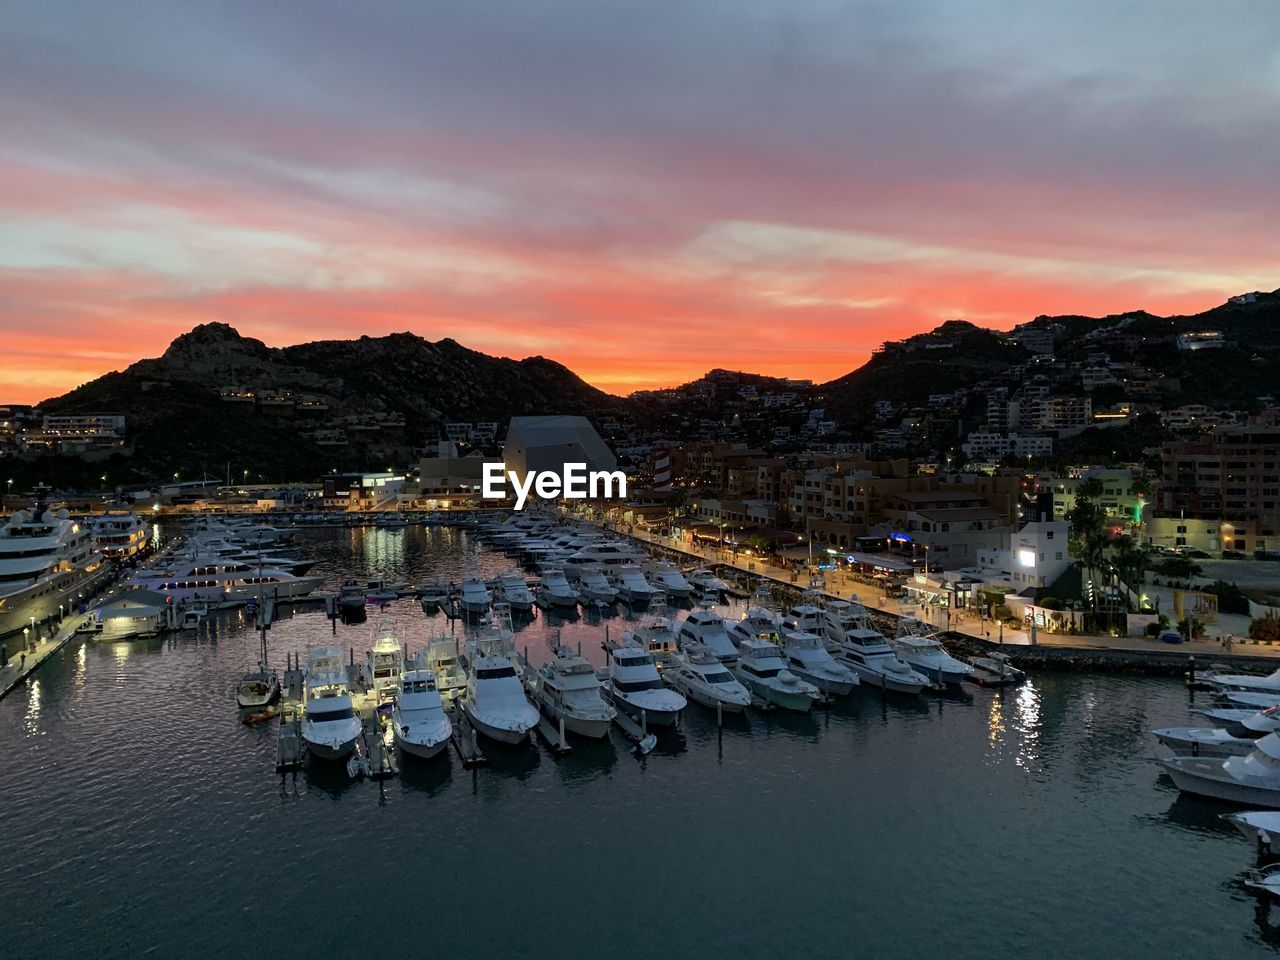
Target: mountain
x: 179, y: 419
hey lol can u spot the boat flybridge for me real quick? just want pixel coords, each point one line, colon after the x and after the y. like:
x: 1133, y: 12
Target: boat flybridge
x: 440, y: 658
x: 1253, y: 779
x: 656, y: 637
x: 924, y: 653
x: 699, y: 675
x: 864, y: 650
x: 494, y: 700
x: 418, y: 719
x: 330, y: 727
x: 763, y: 671
x: 706, y: 581
x: 385, y: 662
x: 707, y: 628
x: 633, y: 685
x: 474, y: 597
x: 566, y: 689
x: 120, y: 534
x: 811, y: 613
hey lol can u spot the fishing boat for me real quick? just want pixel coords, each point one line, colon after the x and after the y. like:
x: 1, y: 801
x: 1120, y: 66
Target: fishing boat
x: 923, y: 652
x: 657, y: 638
x: 666, y: 576
x: 756, y: 624
x: 474, y: 597
x: 554, y: 590
x: 808, y: 658
x: 1203, y: 741
x: 330, y: 727
x: 495, y: 700
x: 566, y: 689
x: 698, y: 674
x: 707, y: 582
x: 763, y: 671
x: 594, y: 586
x: 995, y: 670
x: 867, y: 653
x: 351, y: 598
x: 633, y: 685
x: 1260, y: 827
x: 1253, y: 779
x: 385, y: 663
x: 1265, y: 880
x: 513, y: 590
x: 1268, y: 683
x: 632, y: 585
x: 418, y: 720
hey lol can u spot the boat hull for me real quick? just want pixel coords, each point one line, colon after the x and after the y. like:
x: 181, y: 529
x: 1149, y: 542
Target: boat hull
x: 795, y: 701
x: 701, y: 696
x: 885, y: 681
x: 328, y: 750
x: 513, y: 736
x: 1204, y: 777
x: 652, y: 718
x: 950, y: 678
x: 423, y: 751
x: 827, y: 685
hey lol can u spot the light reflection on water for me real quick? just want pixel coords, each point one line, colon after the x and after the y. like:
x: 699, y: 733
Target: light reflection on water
x: 127, y: 770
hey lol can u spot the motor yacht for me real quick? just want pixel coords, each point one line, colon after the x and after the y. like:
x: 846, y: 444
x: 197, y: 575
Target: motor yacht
x: 1251, y: 700
x: 222, y: 582
x: 868, y: 654
x: 925, y: 654
x: 808, y: 658
x: 594, y: 586
x: 757, y: 624
x: 633, y: 685
x: 632, y: 585
x: 707, y: 628
x: 495, y: 700
x: 1269, y: 683
x: 48, y: 564
x: 1260, y: 827
x: 566, y: 688
x: 763, y: 671
x: 514, y: 592
x: 120, y: 534
x: 351, y: 599
x: 474, y: 597
x: 666, y: 576
x: 330, y: 727
x: 1253, y: 779
x: 555, y: 591
x: 433, y: 596
x: 809, y: 615
x: 609, y: 555
x: 418, y: 719
x: 699, y: 675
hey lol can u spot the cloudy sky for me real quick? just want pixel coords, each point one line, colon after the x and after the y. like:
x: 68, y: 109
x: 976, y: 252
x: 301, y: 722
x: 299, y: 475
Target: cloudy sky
x: 639, y: 190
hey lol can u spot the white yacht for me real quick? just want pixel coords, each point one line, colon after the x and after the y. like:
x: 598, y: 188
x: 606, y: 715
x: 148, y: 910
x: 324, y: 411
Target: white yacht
x: 221, y: 582
x: 1270, y: 683
x: 666, y: 576
x: 385, y: 663
x: 757, y: 624
x: 995, y: 670
x: 810, y: 615
x: 632, y: 585
x: 867, y: 653
x: 594, y: 586
x: 657, y: 638
x: 634, y: 686
x: 1253, y: 779
x: 925, y: 654
x: 495, y: 700
x: 607, y: 554
x: 706, y: 581
x: 707, y: 628
x: 761, y: 669
x: 699, y: 675
x: 421, y: 727
x: 808, y: 658
x: 48, y: 562
x: 514, y: 591
x: 120, y: 535
x: 474, y: 597
x: 1260, y: 827
x: 330, y: 727
x: 555, y: 591
x: 566, y: 688
x: 1203, y: 741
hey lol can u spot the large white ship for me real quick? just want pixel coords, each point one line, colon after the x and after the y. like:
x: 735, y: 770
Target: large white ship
x: 48, y: 564
x: 120, y: 534
x: 218, y: 581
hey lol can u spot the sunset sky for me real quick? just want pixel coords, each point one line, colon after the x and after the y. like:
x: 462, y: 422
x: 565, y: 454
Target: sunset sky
x: 641, y: 191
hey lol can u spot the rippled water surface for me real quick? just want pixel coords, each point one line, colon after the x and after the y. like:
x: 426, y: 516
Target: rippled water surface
x: 141, y: 817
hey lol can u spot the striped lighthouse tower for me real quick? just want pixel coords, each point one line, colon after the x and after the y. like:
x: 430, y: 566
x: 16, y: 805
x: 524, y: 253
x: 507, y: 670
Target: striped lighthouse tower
x: 662, y: 469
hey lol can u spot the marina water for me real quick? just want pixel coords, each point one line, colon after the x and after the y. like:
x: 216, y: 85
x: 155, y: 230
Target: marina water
x: 141, y: 817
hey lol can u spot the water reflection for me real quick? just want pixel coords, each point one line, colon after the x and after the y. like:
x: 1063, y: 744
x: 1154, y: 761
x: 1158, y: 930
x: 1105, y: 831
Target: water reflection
x: 35, y: 693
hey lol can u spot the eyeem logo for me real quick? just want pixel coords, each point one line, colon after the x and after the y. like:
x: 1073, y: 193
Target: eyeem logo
x: 574, y: 483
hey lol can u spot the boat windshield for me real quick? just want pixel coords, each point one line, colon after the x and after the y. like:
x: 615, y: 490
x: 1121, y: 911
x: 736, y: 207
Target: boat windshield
x: 417, y: 686
x: 634, y: 686
x: 328, y: 716
x: 718, y: 676
x: 495, y: 673
x: 765, y: 672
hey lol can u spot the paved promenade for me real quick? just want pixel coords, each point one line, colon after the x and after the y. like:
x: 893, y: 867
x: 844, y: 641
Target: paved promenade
x: 21, y: 666
x: 960, y: 621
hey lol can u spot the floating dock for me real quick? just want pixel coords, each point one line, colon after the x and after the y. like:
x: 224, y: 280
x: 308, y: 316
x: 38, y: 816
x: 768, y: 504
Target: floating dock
x: 464, y: 741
